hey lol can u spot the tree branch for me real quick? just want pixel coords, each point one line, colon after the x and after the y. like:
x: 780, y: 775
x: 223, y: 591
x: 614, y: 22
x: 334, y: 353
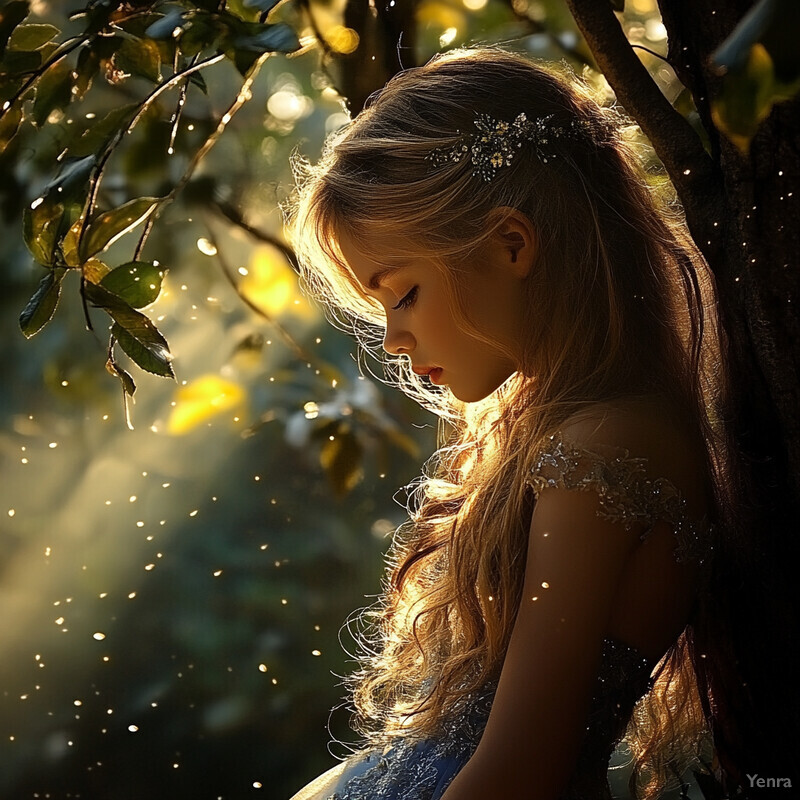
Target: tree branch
x: 677, y: 145
x: 233, y: 216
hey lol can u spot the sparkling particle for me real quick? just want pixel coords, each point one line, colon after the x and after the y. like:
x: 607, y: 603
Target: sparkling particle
x: 262, y: 667
x: 217, y: 573
x: 256, y: 784
x: 53, y: 445
x: 316, y: 652
x: 60, y: 621
x: 99, y: 636
x: 206, y: 247
x: 545, y: 585
x: 77, y: 702
x: 11, y: 512
x: 133, y: 728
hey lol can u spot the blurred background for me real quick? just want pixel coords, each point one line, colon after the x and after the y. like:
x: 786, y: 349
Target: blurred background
x: 174, y: 586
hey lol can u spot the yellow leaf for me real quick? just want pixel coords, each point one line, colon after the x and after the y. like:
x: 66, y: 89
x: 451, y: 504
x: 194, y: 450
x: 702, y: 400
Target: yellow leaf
x: 95, y: 270
x: 439, y: 14
x: 204, y: 398
x: 271, y: 285
x: 341, y: 39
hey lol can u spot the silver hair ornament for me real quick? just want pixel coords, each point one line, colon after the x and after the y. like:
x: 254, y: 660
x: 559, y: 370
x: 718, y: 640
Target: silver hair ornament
x: 496, y: 142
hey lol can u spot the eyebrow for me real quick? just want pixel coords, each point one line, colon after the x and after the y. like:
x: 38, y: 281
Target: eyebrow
x: 375, y: 281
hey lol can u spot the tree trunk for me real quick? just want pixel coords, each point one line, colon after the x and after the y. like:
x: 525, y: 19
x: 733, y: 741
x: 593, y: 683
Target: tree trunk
x: 743, y: 211
x: 387, y: 32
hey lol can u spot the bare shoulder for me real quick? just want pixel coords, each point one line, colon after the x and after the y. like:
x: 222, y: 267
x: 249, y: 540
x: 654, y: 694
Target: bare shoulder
x: 652, y: 429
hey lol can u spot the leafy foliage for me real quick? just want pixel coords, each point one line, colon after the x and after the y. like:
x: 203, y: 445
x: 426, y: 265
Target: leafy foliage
x: 761, y: 67
x: 69, y: 224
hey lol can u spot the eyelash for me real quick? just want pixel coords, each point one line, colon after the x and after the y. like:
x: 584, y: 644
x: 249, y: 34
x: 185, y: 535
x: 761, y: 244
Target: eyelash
x: 408, y: 300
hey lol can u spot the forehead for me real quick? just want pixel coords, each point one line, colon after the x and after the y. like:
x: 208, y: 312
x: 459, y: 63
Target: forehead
x: 371, y: 262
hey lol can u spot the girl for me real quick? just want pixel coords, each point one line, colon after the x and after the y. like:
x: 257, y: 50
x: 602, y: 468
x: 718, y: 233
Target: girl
x: 489, y: 218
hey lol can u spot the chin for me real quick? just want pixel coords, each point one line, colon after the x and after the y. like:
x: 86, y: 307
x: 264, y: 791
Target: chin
x: 472, y: 395
x: 475, y: 394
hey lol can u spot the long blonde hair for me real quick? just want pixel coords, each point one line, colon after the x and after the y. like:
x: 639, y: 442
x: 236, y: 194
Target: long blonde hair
x: 623, y: 290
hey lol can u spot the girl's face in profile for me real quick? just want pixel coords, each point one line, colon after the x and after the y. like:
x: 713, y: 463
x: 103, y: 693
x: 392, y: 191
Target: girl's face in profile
x: 420, y: 320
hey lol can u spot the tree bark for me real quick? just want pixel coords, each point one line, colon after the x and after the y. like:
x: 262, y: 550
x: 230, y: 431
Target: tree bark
x: 742, y: 210
x: 387, y: 33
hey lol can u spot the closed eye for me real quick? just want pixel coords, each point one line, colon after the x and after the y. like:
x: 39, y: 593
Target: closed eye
x: 408, y: 300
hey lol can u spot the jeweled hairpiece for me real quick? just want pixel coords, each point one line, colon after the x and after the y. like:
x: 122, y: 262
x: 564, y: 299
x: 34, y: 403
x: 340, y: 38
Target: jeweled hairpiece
x: 496, y: 142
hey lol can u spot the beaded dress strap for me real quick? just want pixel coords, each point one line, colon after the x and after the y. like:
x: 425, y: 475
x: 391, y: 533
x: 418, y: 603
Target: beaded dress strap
x: 627, y: 494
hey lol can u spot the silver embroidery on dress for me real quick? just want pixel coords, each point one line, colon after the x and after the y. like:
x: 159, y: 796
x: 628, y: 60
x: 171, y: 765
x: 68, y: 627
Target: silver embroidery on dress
x: 627, y: 495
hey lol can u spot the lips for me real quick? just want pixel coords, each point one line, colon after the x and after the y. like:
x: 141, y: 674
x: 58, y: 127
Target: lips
x: 434, y: 373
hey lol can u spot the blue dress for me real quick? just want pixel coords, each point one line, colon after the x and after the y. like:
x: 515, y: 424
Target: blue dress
x: 421, y: 769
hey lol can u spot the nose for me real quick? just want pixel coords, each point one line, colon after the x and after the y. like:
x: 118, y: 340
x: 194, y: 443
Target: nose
x: 398, y: 340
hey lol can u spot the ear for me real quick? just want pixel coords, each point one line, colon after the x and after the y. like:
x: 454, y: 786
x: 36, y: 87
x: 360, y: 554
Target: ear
x: 514, y: 244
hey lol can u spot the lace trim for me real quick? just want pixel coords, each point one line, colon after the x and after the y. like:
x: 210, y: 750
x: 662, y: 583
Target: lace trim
x: 627, y: 495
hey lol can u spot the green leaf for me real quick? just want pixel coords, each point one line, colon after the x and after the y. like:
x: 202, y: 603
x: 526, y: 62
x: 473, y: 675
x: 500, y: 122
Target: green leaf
x: 278, y: 38
x: 9, y: 125
x: 138, y: 283
x: 205, y: 33
x: 163, y: 28
x: 746, y: 98
x: 98, y: 136
x: 136, y: 334
x: 106, y: 228
x: 147, y: 347
x: 10, y: 16
x: 128, y: 384
x: 42, y: 305
x: 40, y: 227
x: 45, y: 218
x: 53, y: 91
x: 32, y: 37
x: 86, y: 68
x: 22, y: 62
x: 139, y: 57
